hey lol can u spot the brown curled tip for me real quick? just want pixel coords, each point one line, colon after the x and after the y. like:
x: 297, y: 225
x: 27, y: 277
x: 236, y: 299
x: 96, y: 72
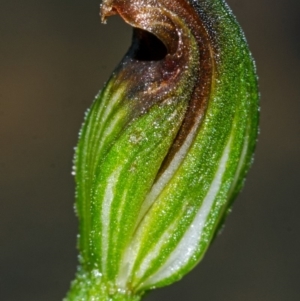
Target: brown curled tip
x: 174, y: 23
x: 148, y: 17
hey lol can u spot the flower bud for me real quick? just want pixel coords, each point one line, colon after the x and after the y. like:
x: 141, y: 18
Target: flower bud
x: 164, y: 148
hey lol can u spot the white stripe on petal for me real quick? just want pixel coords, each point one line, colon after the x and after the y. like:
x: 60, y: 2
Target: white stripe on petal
x: 191, y: 239
x: 240, y: 165
x: 158, y: 187
x: 111, y: 127
x: 133, y: 248
x: 117, y: 95
x: 153, y: 254
x: 105, y: 218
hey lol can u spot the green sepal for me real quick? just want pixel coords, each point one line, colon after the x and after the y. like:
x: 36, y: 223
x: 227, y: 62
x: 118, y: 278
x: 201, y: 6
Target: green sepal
x: 165, y: 147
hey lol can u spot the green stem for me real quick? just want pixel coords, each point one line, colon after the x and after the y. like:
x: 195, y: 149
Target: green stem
x: 91, y: 286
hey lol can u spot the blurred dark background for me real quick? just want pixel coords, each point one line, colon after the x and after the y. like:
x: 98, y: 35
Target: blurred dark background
x: 54, y: 57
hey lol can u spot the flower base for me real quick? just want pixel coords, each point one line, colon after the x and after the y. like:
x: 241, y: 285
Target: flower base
x: 91, y: 286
